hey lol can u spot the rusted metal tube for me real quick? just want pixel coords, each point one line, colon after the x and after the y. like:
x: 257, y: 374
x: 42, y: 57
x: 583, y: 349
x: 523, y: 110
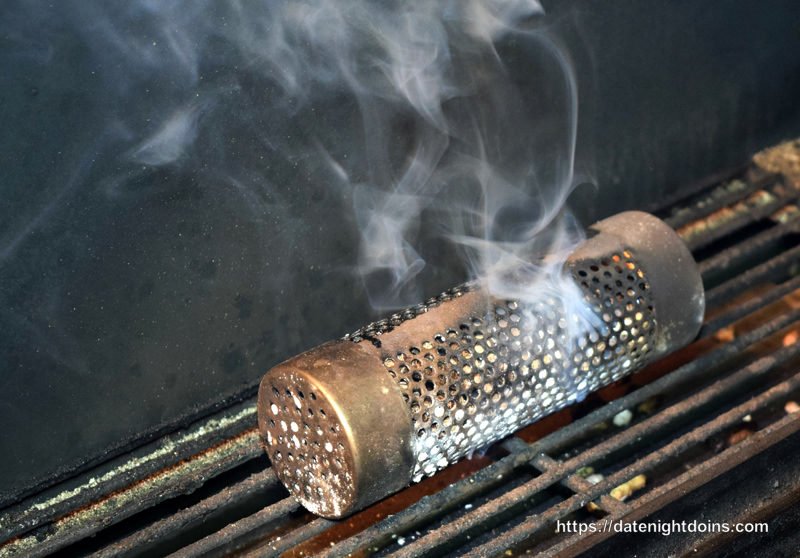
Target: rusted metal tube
x: 354, y: 420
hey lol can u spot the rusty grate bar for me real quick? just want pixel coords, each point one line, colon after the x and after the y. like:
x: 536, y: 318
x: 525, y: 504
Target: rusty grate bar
x: 172, y: 523
x: 775, y: 268
x: 752, y: 211
x: 748, y: 307
x: 672, y: 450
x: 576, y: 483
x: 718, y: 198
x: 167, y: 483
x: 197, y: 443
x: 739, y: 252
x: 241, y: 533
x: 702, y: 473
x: 784, y: 496
x: 291, y: 540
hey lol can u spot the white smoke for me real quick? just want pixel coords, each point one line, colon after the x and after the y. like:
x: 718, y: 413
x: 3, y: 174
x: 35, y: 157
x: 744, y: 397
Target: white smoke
x: 467, y: 115
x: 435, y: 65
x: 171, y: 140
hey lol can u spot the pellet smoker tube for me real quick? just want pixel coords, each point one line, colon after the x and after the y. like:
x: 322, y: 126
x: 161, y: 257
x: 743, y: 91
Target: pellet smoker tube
x: 354, y: 420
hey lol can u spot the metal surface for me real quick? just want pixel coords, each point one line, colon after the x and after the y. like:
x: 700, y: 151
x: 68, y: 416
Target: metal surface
x: 352, y: 421
x: 742, y: 367
x: 334, y: 432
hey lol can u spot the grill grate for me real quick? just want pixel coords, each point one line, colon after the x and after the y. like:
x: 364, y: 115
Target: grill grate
x: 684, y: 408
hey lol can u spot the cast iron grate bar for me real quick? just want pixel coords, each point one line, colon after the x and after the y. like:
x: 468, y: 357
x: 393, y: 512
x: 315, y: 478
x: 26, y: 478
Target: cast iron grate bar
x: 699, y: 474
x: 717, y: 198
x: 576, y: 483
x: 763, y: 203
x: 738, y: 253
x: 242, y: 532
x: 750, y: 306
x: 775, y: 269
x: 170, y: 482
x: 174, y: 522
x: 292, y: 540
x: 197, y: 448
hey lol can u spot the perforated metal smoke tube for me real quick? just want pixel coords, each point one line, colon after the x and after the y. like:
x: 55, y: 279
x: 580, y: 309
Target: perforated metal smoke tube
x: 351, y: 421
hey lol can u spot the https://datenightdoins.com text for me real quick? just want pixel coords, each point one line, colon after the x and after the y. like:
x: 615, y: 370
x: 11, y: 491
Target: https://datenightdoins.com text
x: 665, y: 528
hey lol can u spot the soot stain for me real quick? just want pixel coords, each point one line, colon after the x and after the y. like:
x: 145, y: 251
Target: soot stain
x: 135, y: 370
x: 207, y: 270
x: 244, y: 305
x: 146, y: 288
x: 232, y: 360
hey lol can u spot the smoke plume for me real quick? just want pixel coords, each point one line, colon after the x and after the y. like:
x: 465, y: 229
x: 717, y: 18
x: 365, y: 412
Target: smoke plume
x: 442, y: 130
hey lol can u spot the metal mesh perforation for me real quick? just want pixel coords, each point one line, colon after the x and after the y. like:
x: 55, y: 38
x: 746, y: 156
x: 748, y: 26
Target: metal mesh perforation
x: 307, y: 445
x: 373, y: 331
x: 487, y: 376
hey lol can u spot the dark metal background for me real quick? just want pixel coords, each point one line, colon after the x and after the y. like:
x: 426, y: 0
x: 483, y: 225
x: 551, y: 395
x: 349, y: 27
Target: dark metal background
x: 124, y: 316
